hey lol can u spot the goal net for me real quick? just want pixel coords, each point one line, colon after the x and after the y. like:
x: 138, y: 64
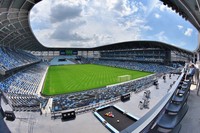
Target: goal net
x: 124, y: 78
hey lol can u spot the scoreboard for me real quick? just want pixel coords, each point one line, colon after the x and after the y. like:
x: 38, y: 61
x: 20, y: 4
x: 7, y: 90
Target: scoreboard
x: 68, y: 52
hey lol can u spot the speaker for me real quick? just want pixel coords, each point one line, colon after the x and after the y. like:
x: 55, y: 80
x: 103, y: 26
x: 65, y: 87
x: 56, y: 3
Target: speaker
x: 69, y: 115
x: 125, y: 97
x: 10, y: 116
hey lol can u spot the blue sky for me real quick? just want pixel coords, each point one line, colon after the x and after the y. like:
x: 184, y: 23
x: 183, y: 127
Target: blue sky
x: 90, y: 23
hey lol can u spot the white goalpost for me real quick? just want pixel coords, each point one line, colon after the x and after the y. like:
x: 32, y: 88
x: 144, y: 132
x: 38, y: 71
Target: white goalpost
x: 124, y: 78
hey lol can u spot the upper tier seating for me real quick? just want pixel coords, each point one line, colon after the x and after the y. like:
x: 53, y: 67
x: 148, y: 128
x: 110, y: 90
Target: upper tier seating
x: 150, y: 67
x: 10, y: 58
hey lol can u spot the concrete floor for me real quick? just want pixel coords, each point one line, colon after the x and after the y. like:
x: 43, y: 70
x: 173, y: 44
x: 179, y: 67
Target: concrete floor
x: 191, y: 121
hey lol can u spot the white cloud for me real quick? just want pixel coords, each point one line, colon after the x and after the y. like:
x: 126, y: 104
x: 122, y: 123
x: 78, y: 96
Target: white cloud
x: 180, y: 27
x: 61, y: 12
x: 157, y: 15
x: 161, y: 36
x: 37, y: 16
x: 188, y: 32
x: 163, y: 8
x: 147, y: 27
x: 151, y: 5
x: 123, y: 8
x: 181, y: 44
x: 88, y: 23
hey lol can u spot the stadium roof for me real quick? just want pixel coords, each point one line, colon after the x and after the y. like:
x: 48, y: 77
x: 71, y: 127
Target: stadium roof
x: 141, y: 44
x: 14, y: 24
x: 129, y: 45
x: 16, y: 31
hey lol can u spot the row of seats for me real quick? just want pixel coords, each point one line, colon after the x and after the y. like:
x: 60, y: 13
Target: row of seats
x: 175, y: 110
x: 133, y: 53
x: 150, y: 67
x: 149, y: 59
x: 76, y: 100
x: 11, y: 58
x: 21, y: 87
x: 25, y: 103
x: 24, y: 82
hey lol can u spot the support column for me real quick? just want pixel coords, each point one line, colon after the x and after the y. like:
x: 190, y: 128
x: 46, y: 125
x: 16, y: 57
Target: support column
x: 87, y: 54
x: 197, y: 56
x: 198, y: 65
x: 198, y: 50
x: 193, y: 59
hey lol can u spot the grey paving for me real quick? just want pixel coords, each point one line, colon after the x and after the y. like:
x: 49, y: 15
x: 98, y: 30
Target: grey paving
x: 191, y: 121
x: 29, y: 122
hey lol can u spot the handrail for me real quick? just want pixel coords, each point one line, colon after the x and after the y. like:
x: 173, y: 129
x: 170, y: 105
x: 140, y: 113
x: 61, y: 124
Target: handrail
x: 148, y: 118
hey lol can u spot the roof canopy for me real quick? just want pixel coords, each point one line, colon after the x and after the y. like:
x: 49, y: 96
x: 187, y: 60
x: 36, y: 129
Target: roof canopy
x: 14, y: 24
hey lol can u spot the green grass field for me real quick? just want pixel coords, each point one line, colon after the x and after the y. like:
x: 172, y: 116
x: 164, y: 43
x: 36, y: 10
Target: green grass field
x: 75, y: 78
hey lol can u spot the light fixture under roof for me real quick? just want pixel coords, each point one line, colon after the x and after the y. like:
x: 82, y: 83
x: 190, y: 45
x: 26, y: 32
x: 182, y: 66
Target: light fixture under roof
x: 197, y: 6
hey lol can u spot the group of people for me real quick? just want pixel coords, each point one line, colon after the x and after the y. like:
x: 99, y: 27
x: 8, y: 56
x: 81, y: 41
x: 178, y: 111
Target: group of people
x: 192, y: 73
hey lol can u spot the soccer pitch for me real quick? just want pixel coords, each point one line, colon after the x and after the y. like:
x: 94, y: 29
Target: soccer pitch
x: 76, y: 78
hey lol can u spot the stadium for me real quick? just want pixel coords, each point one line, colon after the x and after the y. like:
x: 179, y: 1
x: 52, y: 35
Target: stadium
x: 132, y: 86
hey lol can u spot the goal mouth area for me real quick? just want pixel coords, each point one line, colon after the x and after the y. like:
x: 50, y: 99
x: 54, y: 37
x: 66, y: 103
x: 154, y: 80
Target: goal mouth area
x: 123, y: 78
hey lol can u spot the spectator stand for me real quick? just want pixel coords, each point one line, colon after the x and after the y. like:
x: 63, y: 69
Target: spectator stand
x: 21, y: 88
